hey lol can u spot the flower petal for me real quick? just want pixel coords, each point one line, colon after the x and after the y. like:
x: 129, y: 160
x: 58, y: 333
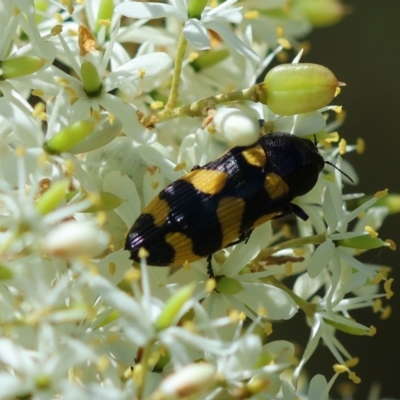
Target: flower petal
x: 320, y: 258
x: 232, y: 41
x: 147, y: 10
x: 150, y: 64
x: 196, y: 34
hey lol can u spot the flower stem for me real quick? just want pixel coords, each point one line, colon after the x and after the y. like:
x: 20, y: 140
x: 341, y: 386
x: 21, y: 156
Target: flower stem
x: 200, y: 107
x: 173, y: 94
x: 144, y: 369
x: 302, y: 241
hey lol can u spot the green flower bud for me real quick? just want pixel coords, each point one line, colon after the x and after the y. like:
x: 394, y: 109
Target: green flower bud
x: 322, y: 12
x: 106, y: 10
x: 90, y: 78
x: 106, y: 202
x: 41, y: 7
x: 5, y: 273
x: 299, y: 88
x: 174, y: 305
x: 228, y: 286
x: 362, y: 242
x: 42, y: 381
x: 69, y: 136
x: 20, y: 66
x: 196, y: 7
x: 209, y: 59
x: 52, y: 197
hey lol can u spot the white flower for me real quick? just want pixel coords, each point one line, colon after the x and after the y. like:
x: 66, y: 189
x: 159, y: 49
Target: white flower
x: 147, y: 66
x: 195, y: 30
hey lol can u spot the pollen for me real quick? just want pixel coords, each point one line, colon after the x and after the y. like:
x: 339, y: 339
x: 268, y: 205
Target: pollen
x: 132, y: 275
x: 141, y: 73
x: 252, y: 14
x: 138, y: 374
x: 388, y: 288
x: 354, y: 378
x: 371, y: 231
x: 337, y: 109
x: 180, y: 166
x: 385, y: 271
x: 280, y: 31
x: 143, y: 253
x: 387, y: 311
x: 153, y: 169
x: 20, y: 151
x: 111, y: 119
x: 378, y: 277
x: 235, y: 316
x: 333, y: 137
x: 268, y: 328
x: 193, y: 55
x: 56, y: 30
x: 58, y: 17
x: 37, y: 92
x: 155, y: 105
x: 284, y: 43
x: 101, y: 218
x: 62, y: 81
x: 102, y: 363
x: 210, y: 285
x: 104, y: 22
x: 377, y: 305
x: 337, y: 91
x: 339, y: 368
x: 70, y: 91
x: 86, y: 41
x: 342, y: 147
x: 381, y: 193
x: 38, y: 109
x: 391, y: 244
x: 352, y: 362
x: 155, y: 185
x: 360, y: 146
x: 128, y: 373
x: 211, y: 130
x: 300, y: 251
x: 262, y: 311
x: 372, y: 331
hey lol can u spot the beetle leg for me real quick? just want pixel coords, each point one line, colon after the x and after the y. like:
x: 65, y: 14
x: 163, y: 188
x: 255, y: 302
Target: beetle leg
x: 244, y: 237
x: 210, y: 271
x: 295, y: 209
x: 299, y: 212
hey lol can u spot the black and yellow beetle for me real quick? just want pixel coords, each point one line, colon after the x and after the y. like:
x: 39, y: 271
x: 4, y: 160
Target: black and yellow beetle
x: 220, y: 203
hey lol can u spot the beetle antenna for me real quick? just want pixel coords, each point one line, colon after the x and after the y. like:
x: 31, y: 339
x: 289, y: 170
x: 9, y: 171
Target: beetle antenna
x: 334, y: 166
x: 315, y: 140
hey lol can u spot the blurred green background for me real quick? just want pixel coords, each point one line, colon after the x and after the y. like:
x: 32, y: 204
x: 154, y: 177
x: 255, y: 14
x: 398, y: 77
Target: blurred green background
x: 364, y: 51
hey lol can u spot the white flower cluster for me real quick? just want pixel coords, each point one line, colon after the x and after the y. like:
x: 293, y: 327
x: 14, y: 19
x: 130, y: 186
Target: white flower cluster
x: 93, y: 126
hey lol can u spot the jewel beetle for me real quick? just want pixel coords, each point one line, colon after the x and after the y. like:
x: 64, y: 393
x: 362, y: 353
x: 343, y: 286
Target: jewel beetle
x: 220, y: 203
